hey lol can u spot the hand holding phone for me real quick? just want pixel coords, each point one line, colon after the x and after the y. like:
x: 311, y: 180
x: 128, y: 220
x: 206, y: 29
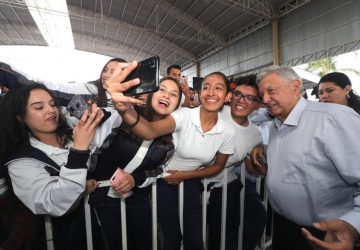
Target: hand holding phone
x: 148, y: 72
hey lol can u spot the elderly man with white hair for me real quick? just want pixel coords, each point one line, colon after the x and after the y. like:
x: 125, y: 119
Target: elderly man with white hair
x: 313, y: 161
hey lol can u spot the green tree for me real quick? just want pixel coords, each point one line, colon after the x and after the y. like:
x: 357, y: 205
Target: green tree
x: 323, y: 66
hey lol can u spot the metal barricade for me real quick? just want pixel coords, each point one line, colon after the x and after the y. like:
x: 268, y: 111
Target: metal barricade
x: 265, y: 243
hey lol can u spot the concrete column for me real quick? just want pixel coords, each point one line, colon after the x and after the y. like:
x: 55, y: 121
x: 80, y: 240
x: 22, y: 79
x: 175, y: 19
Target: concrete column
x: 275, y: 35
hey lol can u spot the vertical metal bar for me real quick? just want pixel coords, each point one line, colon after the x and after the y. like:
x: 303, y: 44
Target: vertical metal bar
x: 242, y: 203
x: 204, y: 212
x: 154, y: 215
x: 181, y: 210
x: 48, y: 233
x: 264, y: 244
x: 223, y: 209
x: 89, y: 241
x: 123, y: 223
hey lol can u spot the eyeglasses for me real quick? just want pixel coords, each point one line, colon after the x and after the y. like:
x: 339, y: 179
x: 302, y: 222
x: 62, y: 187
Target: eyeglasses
x: 249, y: 99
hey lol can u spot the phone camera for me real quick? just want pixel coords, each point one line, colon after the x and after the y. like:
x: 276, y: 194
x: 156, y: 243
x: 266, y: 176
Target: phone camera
x: 152, y: 64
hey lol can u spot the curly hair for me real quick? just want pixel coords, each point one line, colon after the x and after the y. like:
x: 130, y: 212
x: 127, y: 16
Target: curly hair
x: 15, y: 134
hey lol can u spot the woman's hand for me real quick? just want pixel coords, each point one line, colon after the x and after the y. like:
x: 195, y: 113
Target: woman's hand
x: 91, y: 185
x: 116, y: 86
x: 175, y: 177
x: 85, y: 129
x: 124, y: 184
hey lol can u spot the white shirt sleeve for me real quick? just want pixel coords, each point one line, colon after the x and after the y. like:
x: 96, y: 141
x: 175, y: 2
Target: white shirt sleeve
x: 72, y: 88
x: 228, y: 143
x: 44, y: 194
x: 181, y: 117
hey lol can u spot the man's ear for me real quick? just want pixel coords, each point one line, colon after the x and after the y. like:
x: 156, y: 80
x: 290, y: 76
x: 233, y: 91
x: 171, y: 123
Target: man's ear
x: 297, y: 85
x: 228, y: 97
x: 18, y: 118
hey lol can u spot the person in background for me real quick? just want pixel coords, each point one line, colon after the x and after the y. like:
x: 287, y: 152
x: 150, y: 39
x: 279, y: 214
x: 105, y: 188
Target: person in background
x: 201, y: 137
x: 120, y: 153
x: 94, y: 90
x: 313, y: 176
x: 46, y: 161
x: 335, y: 87
x: 194, y: 98
x: 174, y: 71
x: 245, y: 99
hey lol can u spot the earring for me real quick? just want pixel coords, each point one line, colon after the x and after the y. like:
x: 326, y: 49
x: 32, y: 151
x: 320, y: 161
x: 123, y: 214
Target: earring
x: 347, y: 96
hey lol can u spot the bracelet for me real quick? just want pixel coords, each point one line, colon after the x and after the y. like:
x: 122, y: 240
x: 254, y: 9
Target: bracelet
x: 136, y: 122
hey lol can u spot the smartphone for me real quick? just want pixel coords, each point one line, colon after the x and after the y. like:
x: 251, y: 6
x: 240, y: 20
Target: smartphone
x: 77, y: 106
x: 183, y: 80
x: 148, y: 72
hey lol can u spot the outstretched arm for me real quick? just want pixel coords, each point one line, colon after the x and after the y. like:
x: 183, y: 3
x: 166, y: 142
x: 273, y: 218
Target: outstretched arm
x: 142, y: 128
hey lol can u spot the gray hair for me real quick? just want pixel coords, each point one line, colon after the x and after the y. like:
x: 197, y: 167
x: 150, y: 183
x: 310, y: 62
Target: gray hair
x: 285, y: 72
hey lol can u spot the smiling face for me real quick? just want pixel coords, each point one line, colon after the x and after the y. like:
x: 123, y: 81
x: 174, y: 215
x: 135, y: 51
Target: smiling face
x: 107, y: 72
x: 330, y: 92
x: 166, y: 99
x: 42, y: 115
x: 213, y: 93
x: 279, y: 95
x: 244, y: 101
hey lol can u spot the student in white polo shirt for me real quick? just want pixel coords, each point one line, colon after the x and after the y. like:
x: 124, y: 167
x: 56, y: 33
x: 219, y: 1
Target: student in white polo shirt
x: 202, y: 138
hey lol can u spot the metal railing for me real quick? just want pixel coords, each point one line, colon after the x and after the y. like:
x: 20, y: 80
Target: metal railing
x: 264, y: 243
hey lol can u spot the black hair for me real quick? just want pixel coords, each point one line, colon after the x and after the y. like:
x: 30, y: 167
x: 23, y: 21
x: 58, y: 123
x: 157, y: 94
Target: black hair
x: 101, y: 100
x: 342, y: 80
x: 354, y: 101
x: 173, y: 66
x: 148, y: 112
x: 14, y: 136
x: 223, y: 76
x: 249, y: 80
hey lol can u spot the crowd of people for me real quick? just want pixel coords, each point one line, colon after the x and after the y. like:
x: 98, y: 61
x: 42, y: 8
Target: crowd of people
x: 307, y: 150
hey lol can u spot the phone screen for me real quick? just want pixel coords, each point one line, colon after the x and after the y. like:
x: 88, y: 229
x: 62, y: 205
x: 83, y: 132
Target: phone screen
x: 148, y: 72
x: 77, y: 106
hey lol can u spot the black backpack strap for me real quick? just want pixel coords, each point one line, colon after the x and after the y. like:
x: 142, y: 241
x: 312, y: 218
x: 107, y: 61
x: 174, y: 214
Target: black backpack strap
x: 51, y: 166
